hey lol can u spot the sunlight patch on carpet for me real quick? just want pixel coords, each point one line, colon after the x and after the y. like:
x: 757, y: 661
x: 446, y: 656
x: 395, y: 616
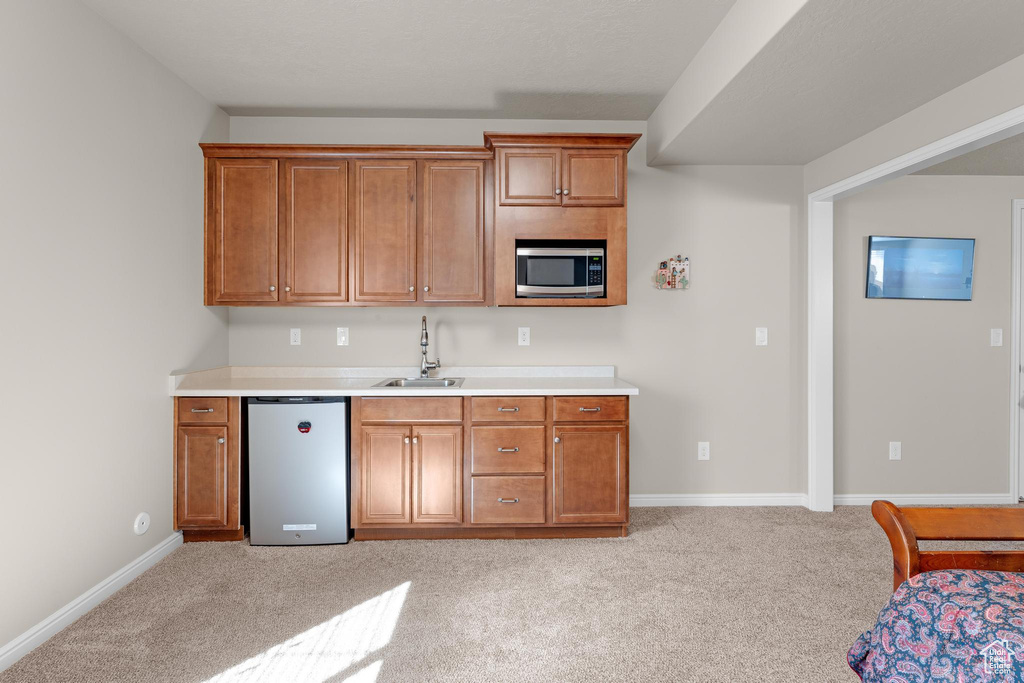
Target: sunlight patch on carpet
x: 328, y: 648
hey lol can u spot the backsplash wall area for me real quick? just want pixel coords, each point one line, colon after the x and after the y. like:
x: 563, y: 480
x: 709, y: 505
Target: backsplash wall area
x: 691, y: 352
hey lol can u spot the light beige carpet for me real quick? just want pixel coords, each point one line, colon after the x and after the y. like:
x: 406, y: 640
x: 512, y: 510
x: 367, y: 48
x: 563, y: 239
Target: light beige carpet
x: 693, y: 594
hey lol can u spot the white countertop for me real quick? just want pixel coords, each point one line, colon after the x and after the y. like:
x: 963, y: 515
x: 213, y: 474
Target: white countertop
x: 579, y: 380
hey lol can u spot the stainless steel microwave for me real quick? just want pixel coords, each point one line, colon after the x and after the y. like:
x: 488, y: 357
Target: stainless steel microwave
x: 569, y: 272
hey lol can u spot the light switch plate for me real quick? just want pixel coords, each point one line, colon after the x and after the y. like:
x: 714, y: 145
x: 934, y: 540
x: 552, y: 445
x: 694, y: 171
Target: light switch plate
x: 996, y: 336
x: 760, y: 336
x: 296, y: 336
x: 895, y: 450
x: 524, y: 336
x: 342, y: 336
x: 703, y: 450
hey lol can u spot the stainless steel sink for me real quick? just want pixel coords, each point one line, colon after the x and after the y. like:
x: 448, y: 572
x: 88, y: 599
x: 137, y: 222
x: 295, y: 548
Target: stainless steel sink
x: 422, y: 382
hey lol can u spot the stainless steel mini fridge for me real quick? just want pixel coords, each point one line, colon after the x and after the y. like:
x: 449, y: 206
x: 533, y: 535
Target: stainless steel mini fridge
x: 298, y: 470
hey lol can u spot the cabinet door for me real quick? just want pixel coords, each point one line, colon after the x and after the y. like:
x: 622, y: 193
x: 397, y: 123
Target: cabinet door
x: 315, y: 230
x: 589, y: 474
x: 452, y: 231
x: 384, y: 225
x: 243, y: 219
x: 385, y: 465
x: 529, y: 176
x: 593, y: 177
x: 437, y: 474
x: 202, y: 477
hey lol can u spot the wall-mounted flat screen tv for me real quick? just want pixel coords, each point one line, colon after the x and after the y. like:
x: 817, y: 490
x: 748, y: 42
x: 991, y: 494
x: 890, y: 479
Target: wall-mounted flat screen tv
x: 920, y: 268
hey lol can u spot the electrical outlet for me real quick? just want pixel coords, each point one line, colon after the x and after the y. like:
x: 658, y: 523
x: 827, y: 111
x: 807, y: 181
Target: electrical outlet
x: 760, y: 336
x: 342, y: 336
x: 524, y: 336
x: 296, y: 336
x: 895, y: 450
x: 996, y: 336
x: 703, y: 450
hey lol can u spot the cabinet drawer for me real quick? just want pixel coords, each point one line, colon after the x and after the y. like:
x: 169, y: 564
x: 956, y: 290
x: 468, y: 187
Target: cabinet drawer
x: 523, y: 496
x: 202, y: 411
x: 443, y: 409
x: 508, y: 409
x: 508, y: 450
x: 590, y: 409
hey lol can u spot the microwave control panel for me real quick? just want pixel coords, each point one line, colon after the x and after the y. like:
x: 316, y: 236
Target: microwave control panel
x: 595, y: 270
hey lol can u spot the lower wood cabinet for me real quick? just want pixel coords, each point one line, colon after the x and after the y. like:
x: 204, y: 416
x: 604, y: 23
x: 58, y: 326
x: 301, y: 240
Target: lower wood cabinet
x: 409, y: 474
x: 590, y: 474
x: 490, y: 467
x: 207, y: 468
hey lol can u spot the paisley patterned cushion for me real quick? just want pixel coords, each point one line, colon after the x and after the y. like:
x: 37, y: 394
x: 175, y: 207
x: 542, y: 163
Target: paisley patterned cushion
x: 952, y: 625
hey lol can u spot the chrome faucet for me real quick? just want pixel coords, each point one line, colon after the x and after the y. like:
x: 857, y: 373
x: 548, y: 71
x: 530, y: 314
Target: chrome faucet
x: 425, y: 365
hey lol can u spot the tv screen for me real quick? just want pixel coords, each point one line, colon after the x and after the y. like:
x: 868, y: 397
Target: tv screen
x: 920, y: 268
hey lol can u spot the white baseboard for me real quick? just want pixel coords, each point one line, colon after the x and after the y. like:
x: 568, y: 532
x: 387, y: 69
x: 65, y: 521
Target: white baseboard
x: 48, y: 627
x: 927, y: 498
x: 645, y: 500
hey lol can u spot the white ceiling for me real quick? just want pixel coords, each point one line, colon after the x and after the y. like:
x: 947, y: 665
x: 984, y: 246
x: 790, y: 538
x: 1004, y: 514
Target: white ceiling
x: 841, y: 68
x: 570, y: 59
x: 1000, y: 158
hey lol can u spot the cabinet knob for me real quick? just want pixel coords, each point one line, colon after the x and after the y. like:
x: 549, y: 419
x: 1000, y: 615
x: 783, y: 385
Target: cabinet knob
x: 220, y: 440
x: 412, y: 289
x: 273, y: 288
x: 407, y: 439
x: 426, y: 289
x: 565, y: 191
x: 415, y: 439
x: 558, y: 440
x: 558, y: 190
x: 287, y: 289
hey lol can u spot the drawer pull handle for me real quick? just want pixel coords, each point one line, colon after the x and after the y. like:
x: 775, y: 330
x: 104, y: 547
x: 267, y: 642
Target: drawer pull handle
x: 591, y: 410
x: 202, y: 410
x: 508, y: 450
x: 508, y: 410
x: 508, y: 500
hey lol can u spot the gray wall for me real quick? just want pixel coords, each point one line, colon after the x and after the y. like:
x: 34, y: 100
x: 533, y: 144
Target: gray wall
x: 691, y: 352
x: 102, y: 255
x: 923, y: 372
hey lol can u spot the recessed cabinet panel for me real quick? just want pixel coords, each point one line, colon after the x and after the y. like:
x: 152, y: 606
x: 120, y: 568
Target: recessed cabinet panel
x: 385, y: 230
x: 453, y: 231
x: 589, y: 474
x: 437, y: 474
x: 244, y: 223
x: 529, y: 176
x: 593, y: 177
x: 385, y: 459
x: 315, y: 231
x: 202, y: 477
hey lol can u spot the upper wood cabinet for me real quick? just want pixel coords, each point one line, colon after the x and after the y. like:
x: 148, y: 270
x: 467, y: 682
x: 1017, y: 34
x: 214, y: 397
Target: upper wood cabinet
x: 554, y: 176
x: 593, y: 177
x: 453, y: 266
x: 384, y: 227
x: 314, y: 245
x: 242, y: 237
x: 530, y: 176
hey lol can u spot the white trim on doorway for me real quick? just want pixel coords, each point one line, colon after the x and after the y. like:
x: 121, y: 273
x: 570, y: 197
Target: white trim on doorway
x: 1017, y: 255
x: 820, y: 366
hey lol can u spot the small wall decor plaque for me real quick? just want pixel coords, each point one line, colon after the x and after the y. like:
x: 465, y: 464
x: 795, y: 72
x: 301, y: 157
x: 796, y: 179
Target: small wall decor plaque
x: 673, y: 273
